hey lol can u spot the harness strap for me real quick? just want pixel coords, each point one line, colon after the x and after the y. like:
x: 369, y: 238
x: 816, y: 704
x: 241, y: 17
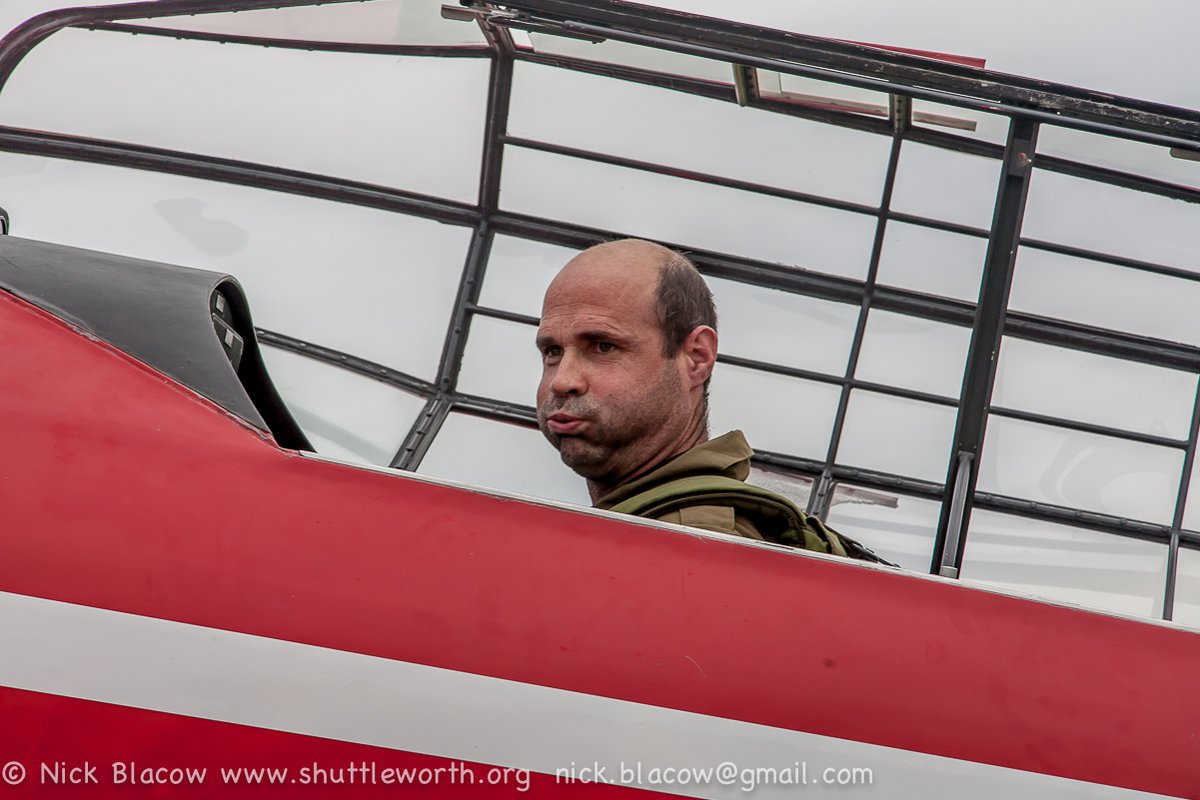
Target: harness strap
x: 797, y: 528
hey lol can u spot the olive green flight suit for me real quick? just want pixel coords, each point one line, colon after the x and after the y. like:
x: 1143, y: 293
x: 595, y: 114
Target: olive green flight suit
x: 727, y: 455
x: 706, y: 488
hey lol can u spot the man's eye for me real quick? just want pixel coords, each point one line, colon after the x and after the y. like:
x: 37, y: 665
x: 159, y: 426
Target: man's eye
x: 605, y: 347
x: 551, y: 352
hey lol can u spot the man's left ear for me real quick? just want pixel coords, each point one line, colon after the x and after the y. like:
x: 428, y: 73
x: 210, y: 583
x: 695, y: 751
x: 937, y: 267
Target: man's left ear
x: 700, y: 354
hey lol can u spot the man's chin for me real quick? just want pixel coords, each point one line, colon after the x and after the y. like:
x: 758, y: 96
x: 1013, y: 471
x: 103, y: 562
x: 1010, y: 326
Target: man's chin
x: 586, y: 459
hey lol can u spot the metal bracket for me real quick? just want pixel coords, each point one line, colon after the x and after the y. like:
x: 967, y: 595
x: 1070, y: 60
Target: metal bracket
x: 901, y: 113
x: 1022, y: 160
x: 958, y: 504
x: 819, y: 501
x: 475, y: 13
x: 745, y: 83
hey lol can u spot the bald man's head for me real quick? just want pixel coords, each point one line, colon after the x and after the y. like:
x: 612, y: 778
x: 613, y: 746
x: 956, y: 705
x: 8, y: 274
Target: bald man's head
x: 628, y: 341
x: 682, y: 298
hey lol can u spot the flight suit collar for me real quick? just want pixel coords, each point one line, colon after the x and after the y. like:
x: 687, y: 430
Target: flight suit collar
x: 727, y: 455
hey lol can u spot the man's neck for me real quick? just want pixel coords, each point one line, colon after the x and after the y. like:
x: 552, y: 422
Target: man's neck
x: 696, y: 434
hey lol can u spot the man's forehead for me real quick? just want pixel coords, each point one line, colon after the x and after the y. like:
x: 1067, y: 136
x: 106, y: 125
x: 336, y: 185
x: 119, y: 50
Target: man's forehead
x: 580, y: 310
x: 608, y: 287
x: 603, y: 316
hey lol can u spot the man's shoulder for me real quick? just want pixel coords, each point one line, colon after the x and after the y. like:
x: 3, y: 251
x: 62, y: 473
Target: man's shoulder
x: 697, y: 488
x: 729, y: 505
x: 719, y: 503
x: 684, y: 491
x: 718, y: 519
x: 705, y: 492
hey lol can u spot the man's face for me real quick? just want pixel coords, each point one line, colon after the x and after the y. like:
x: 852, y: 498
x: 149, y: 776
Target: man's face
x: 609, y: 400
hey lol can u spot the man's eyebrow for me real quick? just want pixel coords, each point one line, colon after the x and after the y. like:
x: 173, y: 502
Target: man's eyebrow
x: 600, y: 334
x: 591, y: 335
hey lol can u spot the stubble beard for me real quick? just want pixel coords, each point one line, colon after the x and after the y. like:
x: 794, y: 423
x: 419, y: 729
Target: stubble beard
x: 600, y: 453
x: 585, y: 455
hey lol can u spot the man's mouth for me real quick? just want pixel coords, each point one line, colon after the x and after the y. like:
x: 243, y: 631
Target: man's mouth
x: 564, y: 423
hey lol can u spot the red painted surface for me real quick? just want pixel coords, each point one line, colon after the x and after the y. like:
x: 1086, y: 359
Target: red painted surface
x: 120, y: 744
x: 125, y: 491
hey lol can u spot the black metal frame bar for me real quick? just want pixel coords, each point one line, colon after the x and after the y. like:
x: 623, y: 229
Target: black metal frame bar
x: 819, y: 501
x: 419, y: 50
x: 692, y: 175
x: 1086, y: 427
x: 980, y: 375
x: 1022, y: 101
x: 19, y: 41
x: 241, y: 173
x: 416, y: 444
x: 1118, y: 261
x: 1185, y: 479
x: 362, y: 366
x: 1116, y: 177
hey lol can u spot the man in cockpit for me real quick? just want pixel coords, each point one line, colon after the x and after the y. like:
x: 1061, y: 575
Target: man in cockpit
x: 628, y: 339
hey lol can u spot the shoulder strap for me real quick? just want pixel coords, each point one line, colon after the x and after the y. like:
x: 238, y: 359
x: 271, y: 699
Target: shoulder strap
x: 798, y: 529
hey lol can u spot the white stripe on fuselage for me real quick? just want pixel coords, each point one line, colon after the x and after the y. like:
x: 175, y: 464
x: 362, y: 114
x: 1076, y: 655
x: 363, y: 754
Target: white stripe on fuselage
x: 130, y: 660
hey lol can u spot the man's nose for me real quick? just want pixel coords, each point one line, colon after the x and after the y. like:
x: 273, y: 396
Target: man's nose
x: 570, y: 375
